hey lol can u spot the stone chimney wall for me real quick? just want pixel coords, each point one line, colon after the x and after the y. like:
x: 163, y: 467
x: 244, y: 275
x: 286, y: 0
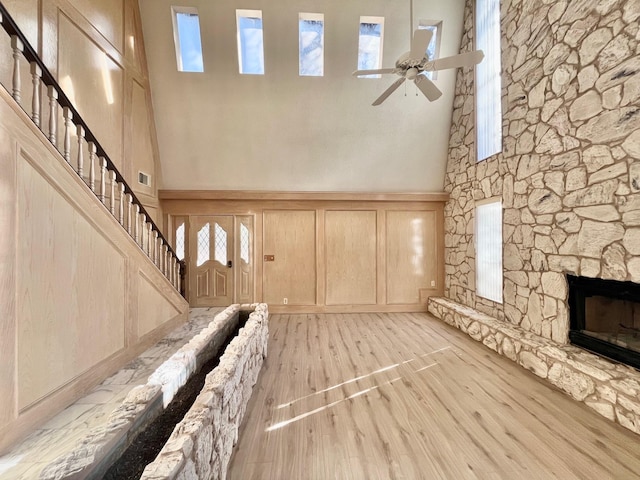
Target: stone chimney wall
x: 569, y: 172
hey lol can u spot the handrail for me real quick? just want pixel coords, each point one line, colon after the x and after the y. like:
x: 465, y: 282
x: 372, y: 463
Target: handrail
x: 22, y: 45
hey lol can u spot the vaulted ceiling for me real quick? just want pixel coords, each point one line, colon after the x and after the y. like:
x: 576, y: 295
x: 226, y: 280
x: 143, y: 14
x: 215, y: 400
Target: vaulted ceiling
x: 221, y: 130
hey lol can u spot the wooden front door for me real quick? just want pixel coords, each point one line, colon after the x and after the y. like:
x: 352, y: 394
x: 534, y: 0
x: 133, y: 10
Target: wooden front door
x: 220, y: 260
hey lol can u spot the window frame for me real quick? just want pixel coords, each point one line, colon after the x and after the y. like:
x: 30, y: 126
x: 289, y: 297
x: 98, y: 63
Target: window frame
x: 488, y: 82
x: 437, y: 37
x: 175, y: 10
x: 367, y: 19
x: 249, y: 13
x: 310, y: 17
x: 480, y: 272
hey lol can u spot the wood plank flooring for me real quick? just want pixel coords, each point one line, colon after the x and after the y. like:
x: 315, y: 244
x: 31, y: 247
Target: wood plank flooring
x: 404, y: 396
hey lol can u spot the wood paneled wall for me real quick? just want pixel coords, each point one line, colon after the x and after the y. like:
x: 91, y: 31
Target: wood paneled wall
x: 78, y: 297
x: 96, y: 51
x: 333, y: 252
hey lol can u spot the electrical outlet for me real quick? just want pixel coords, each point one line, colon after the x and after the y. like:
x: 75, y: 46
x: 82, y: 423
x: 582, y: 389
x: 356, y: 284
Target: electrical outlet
x: 285, y: 300
x: 433, y: 283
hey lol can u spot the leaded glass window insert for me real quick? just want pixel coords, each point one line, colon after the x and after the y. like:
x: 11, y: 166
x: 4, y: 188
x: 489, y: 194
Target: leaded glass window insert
x: 245, y: 241
x: 203, y: 245
x: 180, y: 242
x: 220, y: 251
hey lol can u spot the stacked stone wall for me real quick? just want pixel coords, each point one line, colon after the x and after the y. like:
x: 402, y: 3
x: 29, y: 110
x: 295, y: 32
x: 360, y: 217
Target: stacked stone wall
x: 569, y: 173
x: 611, y: 389
x: 200, y: 446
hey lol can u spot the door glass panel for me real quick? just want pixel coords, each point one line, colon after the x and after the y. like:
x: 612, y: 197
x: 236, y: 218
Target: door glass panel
x: 220, y: 254
x: 244, y: 243
x: 203, y: 245
x: 180, y: 242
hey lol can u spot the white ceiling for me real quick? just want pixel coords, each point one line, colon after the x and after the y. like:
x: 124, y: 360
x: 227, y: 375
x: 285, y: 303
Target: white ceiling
x: 220, y: 130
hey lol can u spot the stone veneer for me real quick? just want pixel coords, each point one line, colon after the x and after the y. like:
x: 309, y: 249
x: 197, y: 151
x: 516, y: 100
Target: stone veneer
x: 611, y: 389
x: 103, y: 445
x: 569, y: 173
x: 200, y: 446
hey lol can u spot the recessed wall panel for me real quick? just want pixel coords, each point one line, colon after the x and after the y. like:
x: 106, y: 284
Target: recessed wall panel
x: 142, y: 159
x: 94, y: 84
x: 290, y: 237
x: 66, y: 327
x: 350, y: 239
x: 411, y: 255
x: 107, y: 16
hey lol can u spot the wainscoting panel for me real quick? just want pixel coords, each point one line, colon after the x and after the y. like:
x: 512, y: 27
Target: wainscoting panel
x: 351, y: 257
x: 332, y: 252
x: 411, y: 255
x: 94, y: 83
x: 155, y: 304
x: 74, y: 310
x: 106, y: 16
x: 65, y: 328
x: 289, y: 236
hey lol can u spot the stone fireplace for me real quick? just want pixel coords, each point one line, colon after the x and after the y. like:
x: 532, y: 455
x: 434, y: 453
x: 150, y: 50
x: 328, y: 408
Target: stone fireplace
x: 605, y: 317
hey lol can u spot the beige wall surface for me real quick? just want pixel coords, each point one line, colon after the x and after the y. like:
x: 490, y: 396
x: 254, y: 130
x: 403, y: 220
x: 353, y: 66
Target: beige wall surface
x: 282, y: 132
x: 80, y: 298
x: 332, y: 252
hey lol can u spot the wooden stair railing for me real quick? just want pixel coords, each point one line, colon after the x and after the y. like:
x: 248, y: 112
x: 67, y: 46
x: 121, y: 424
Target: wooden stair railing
x: 92, y: 164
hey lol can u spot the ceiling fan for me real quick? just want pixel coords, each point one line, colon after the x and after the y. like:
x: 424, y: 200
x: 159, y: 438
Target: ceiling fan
x: 412, y: 65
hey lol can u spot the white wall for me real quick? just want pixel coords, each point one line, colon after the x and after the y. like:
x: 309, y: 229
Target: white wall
x: 223, y: 130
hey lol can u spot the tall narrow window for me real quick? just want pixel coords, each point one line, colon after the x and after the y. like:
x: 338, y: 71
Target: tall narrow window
x: 370, y: 44
x: 488, y: 79
x: 311, y: 44
x: 489, y: 250
x: 250, y: 42
x: 204, y: 247
x: 186, y: 36
x: 433, y: 49
x: 245, y: 242
x: 180, y: 241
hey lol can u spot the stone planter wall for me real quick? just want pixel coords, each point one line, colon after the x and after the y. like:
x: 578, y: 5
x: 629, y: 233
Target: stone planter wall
x: 103, y: 445
x: 569, y: 173
x: 611, y: 389
x: 201, y: 445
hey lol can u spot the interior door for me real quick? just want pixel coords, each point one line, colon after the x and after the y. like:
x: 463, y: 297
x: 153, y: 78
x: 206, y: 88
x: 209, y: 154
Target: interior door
x: 211, y: 261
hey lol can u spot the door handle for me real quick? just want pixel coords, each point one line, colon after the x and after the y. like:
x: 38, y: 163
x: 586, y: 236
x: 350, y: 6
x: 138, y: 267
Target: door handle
x: 230, y: 264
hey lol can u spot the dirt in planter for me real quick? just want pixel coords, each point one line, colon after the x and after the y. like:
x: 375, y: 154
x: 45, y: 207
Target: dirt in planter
x: 147, y: 445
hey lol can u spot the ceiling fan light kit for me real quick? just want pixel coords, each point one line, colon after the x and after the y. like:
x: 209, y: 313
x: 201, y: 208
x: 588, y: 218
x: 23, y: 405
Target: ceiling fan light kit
x: 413, y: 64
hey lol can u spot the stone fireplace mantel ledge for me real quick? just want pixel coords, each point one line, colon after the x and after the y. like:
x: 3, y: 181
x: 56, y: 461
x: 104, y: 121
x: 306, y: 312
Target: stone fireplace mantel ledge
x: 610, y: 388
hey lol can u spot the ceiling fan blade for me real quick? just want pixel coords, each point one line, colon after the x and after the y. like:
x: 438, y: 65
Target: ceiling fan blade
x: 394, y: 86
x: 468, y: 59
x: 421, y: 39
x: 428, y: 88
x: 379, y: 71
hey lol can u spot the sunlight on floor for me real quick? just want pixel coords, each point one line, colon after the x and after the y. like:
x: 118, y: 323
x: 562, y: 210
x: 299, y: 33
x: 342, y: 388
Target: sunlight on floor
x: 384, y: 369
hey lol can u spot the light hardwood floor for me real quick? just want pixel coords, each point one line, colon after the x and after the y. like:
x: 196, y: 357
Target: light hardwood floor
x: 404, y: 396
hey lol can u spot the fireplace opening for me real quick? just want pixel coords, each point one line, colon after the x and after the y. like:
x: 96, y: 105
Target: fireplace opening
x: 605, y: 317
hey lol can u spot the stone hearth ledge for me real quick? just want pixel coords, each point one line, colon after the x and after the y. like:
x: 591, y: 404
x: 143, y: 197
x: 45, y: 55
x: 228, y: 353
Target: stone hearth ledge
x: 200, y: 446
x: 611, y: 389
x: 97, y: 451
